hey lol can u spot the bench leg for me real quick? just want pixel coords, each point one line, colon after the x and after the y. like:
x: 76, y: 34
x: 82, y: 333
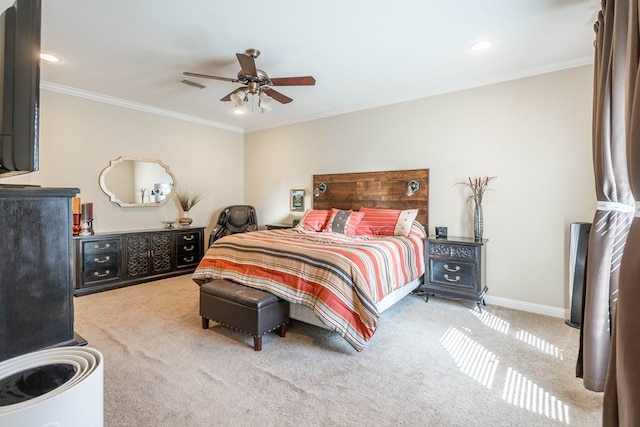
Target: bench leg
x: 205, y: 323
x: 282, y: 330
x: 257, y: 343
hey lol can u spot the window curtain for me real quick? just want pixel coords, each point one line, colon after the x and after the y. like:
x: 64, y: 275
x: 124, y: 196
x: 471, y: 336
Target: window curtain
x: 615, y: 202
x: 621, y: 404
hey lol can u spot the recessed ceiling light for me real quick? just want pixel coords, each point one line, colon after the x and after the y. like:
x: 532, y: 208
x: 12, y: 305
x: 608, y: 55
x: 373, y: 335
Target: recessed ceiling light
x: 481, y: 45
x: 49, y: 57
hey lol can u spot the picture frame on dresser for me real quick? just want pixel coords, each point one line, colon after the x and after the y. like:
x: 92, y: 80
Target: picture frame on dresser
x: 296, y: 200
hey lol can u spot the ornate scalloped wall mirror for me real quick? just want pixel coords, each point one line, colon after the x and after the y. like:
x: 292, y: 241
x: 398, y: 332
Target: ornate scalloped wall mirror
x: 135, y: 182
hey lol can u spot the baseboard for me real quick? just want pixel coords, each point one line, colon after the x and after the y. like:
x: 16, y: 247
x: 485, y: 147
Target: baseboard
x: 528, y: 306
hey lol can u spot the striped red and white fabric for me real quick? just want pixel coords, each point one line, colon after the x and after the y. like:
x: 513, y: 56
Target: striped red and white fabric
x: 378, y: 222
x: 339, y: 277
x: 314, y: 220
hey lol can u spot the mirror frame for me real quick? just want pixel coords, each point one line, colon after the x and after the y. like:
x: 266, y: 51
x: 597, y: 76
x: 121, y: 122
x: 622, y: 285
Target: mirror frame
x: 119, y: 202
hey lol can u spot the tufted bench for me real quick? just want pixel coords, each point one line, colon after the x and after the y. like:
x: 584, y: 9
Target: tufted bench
x: 244, y: 309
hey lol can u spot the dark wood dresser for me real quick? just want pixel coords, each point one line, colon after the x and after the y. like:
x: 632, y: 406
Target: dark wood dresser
x: 112, y: 260
x: 455, y: 268
x: 36, y: 299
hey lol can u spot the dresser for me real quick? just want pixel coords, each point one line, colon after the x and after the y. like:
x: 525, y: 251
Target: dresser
x: 112, y: 260
x: 456, y: 268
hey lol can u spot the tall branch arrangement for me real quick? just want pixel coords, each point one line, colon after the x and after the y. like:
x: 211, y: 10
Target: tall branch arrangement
x: 188, y: 197
x: 478, y: 187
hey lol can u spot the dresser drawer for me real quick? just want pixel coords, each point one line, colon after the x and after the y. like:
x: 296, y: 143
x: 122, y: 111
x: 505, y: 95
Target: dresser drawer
x: 183, y: 237
x: 101, y: 246
x: 188, y: 249
x: 100, y: 274
x: 452, y: 273
x: 188, y: 260
x: 101, y: 260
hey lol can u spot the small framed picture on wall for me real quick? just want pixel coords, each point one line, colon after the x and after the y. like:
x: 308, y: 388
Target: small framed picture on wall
x: 297, y: 200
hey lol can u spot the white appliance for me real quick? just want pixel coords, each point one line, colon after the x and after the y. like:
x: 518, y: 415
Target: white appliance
x: 56, y: 387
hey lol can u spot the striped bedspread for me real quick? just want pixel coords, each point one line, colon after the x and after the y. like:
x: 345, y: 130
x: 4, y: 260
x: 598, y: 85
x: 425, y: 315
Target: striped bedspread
x: 339, y: 277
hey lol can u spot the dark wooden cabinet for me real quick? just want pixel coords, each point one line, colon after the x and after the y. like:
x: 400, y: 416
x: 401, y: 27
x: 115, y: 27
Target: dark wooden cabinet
x: 36, y: 302
x: 113, y: 260
x: 455, y: 267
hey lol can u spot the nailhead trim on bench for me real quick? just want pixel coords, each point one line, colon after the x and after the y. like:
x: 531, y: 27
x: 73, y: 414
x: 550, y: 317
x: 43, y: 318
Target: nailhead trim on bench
x: 243, y: 331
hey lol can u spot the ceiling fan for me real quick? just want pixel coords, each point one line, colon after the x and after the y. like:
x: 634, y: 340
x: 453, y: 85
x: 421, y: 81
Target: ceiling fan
x: 255, y: 81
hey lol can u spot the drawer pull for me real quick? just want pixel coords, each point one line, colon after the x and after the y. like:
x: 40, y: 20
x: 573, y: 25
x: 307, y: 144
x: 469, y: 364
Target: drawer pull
x: 446, y: 277
x: 102, y: 246
x: 102, y: 261
x: 189, y: 237
x: 451, y: 270
x: 189, y: 248
x: 191, y: 259
x: 105, y: 274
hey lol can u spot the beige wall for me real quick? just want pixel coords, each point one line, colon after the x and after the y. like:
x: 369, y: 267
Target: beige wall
x: 534, y: 134
x: 78, y: 138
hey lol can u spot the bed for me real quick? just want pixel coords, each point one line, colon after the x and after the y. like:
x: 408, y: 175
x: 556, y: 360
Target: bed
x: 340, y: 267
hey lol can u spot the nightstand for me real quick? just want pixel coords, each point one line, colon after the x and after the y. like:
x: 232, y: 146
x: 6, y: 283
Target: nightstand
x: 455, y: 268
x: 279, y: 226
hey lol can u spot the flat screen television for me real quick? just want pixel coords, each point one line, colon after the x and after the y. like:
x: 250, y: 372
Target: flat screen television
x: 19, y: 87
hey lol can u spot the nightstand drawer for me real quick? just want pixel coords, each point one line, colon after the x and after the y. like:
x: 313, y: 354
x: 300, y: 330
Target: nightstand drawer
x: 469, y: 253
x: 452, y: 273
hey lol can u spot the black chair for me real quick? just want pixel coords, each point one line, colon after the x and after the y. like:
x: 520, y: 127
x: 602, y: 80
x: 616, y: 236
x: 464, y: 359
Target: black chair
x: 234, y: 219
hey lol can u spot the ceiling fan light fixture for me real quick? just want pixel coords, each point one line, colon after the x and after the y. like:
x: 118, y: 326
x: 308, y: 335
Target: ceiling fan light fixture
x: 238, y: 98
x: 265, y: 102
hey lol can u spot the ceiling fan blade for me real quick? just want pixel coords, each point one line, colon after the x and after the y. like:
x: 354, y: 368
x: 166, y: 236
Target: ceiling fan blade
x: 228, y: 97
x: 294, y: 81
x: 247, y: 63
x: 206, y: 76
x: 283, y: 99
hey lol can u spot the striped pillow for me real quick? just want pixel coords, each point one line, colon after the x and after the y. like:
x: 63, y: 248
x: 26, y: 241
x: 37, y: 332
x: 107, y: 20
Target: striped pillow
x: 314, y: 220
x: 378, y: 222
x: 344, y: 222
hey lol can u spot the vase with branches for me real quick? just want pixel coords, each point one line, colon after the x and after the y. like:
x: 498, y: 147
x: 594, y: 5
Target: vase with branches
x: 478, y: 187
x: 187, y: 198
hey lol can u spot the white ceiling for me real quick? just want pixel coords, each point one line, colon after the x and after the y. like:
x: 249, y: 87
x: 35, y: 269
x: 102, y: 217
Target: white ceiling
x: 362, y: 54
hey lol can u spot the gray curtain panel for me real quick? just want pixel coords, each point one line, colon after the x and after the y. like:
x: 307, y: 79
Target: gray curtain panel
x: 622, y: 391
x: 615, y: 201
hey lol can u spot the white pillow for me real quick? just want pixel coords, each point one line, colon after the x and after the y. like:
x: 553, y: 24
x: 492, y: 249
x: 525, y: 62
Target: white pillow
x: 405, y: 220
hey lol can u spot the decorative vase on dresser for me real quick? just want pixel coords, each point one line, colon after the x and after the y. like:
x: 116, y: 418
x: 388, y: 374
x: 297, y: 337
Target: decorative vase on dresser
x: 456, y: 268
x: 185, y: 221
x: 478, y: 223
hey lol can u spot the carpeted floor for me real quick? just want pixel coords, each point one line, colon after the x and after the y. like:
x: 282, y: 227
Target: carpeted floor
x: 440, y: 363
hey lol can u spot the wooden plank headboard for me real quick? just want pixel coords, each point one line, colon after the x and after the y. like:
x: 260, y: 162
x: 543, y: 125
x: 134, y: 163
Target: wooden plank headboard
x: 385, y: 189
